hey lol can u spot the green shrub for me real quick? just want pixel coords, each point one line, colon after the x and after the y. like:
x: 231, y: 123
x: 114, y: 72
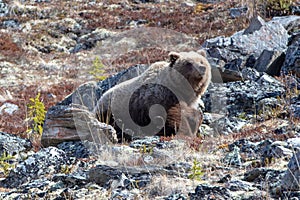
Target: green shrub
x: 196, y: 171
x: 4, y: 163
x: 98, y: 69
x: 37, y: 113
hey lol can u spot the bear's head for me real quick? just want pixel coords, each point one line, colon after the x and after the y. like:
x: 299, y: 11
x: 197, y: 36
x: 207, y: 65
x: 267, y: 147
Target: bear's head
x: 194, y: 67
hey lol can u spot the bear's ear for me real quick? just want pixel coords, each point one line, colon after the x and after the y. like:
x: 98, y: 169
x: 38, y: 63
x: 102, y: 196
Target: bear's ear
x: 173, y: 57
x: 202, y: 52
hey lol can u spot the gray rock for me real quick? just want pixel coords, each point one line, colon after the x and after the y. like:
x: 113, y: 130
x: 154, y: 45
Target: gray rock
x: 145, y: 142
x: 230, y: 55
x: 79, y: 149
x: 292, y: 59
x: 270, y: 62
x: 3, y: 9
x: 233, y: 158
x: 43, y: 163
x: 14, y: 24
x: 270, y: 150
x: 237, y: 12
x: 176, y: 196
x: 238, y: 185
x: 291, y: 179
x: 255, y: 24
x: 259, y: 175
x: 294, y: 142
x: 73, y: 123
x: 206, y: 192
x: 241, y: 96
x: 103, y: 175
x: 12, y: 144
x: 290, y: 23
x: 8, y: 108
x: 295, y: 10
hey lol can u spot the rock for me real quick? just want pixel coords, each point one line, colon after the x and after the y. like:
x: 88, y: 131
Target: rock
x: 250, y: 74
x: 43, y: 163
x: 73, y: 123
x: 292, y: 59
x: 270, y: 62
x: 272, y: 150
x: 8, y: 108
x: 294, y: 142
x: 258, y: 175
x: 232, y: 54
x: 176, y: 196
x: 238, y: 185
x: 3, y: 9
x: 13, y: 145
x: 204, y: 191
x: 237, y: 12
x: 145, y: 142
x: 291, y: 179
x: 102, y: 174
x: 290, y: 23
x: 241, y: 96
x: 295, y: 10
x: 233, y: 158
x: 14, y: 24
x: 248, y: 149
x: 255, y: 24
x: 77, y: 149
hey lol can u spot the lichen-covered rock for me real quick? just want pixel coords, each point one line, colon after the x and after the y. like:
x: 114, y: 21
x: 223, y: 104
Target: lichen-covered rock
x: 12, y: 144
x: 43, y: 163
x: 207, y: 192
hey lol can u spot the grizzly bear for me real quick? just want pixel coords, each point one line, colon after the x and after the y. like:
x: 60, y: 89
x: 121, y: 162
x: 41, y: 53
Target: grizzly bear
x: 161, y: 101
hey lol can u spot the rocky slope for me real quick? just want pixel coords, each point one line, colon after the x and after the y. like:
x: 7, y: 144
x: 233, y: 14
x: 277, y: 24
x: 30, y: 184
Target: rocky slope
x: 248, y: 145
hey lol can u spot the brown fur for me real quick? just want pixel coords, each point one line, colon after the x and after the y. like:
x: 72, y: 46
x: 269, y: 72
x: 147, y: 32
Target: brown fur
x: 175, y: 86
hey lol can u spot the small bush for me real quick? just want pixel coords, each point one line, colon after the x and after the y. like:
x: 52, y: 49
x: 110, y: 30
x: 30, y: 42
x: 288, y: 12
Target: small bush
x: 98, y: 70
x: 37, y: 114
x: 196, y: 171
x: 5, y: 166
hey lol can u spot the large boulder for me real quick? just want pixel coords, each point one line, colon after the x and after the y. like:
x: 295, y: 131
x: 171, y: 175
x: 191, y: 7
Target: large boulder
x: 230, y: 55
x: 73, y: 123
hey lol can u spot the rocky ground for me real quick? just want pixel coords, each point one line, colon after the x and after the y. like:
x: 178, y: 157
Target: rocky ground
x: 248, y: 145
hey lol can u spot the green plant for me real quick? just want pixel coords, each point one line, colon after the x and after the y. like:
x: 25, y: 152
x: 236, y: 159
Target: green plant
x: 196, y: 171
x: 146, y: 149
x: 37, y: 114
x: 4, y: 164
x: 278, y: 7
x: 65, y: 169
x: 98, y: 69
